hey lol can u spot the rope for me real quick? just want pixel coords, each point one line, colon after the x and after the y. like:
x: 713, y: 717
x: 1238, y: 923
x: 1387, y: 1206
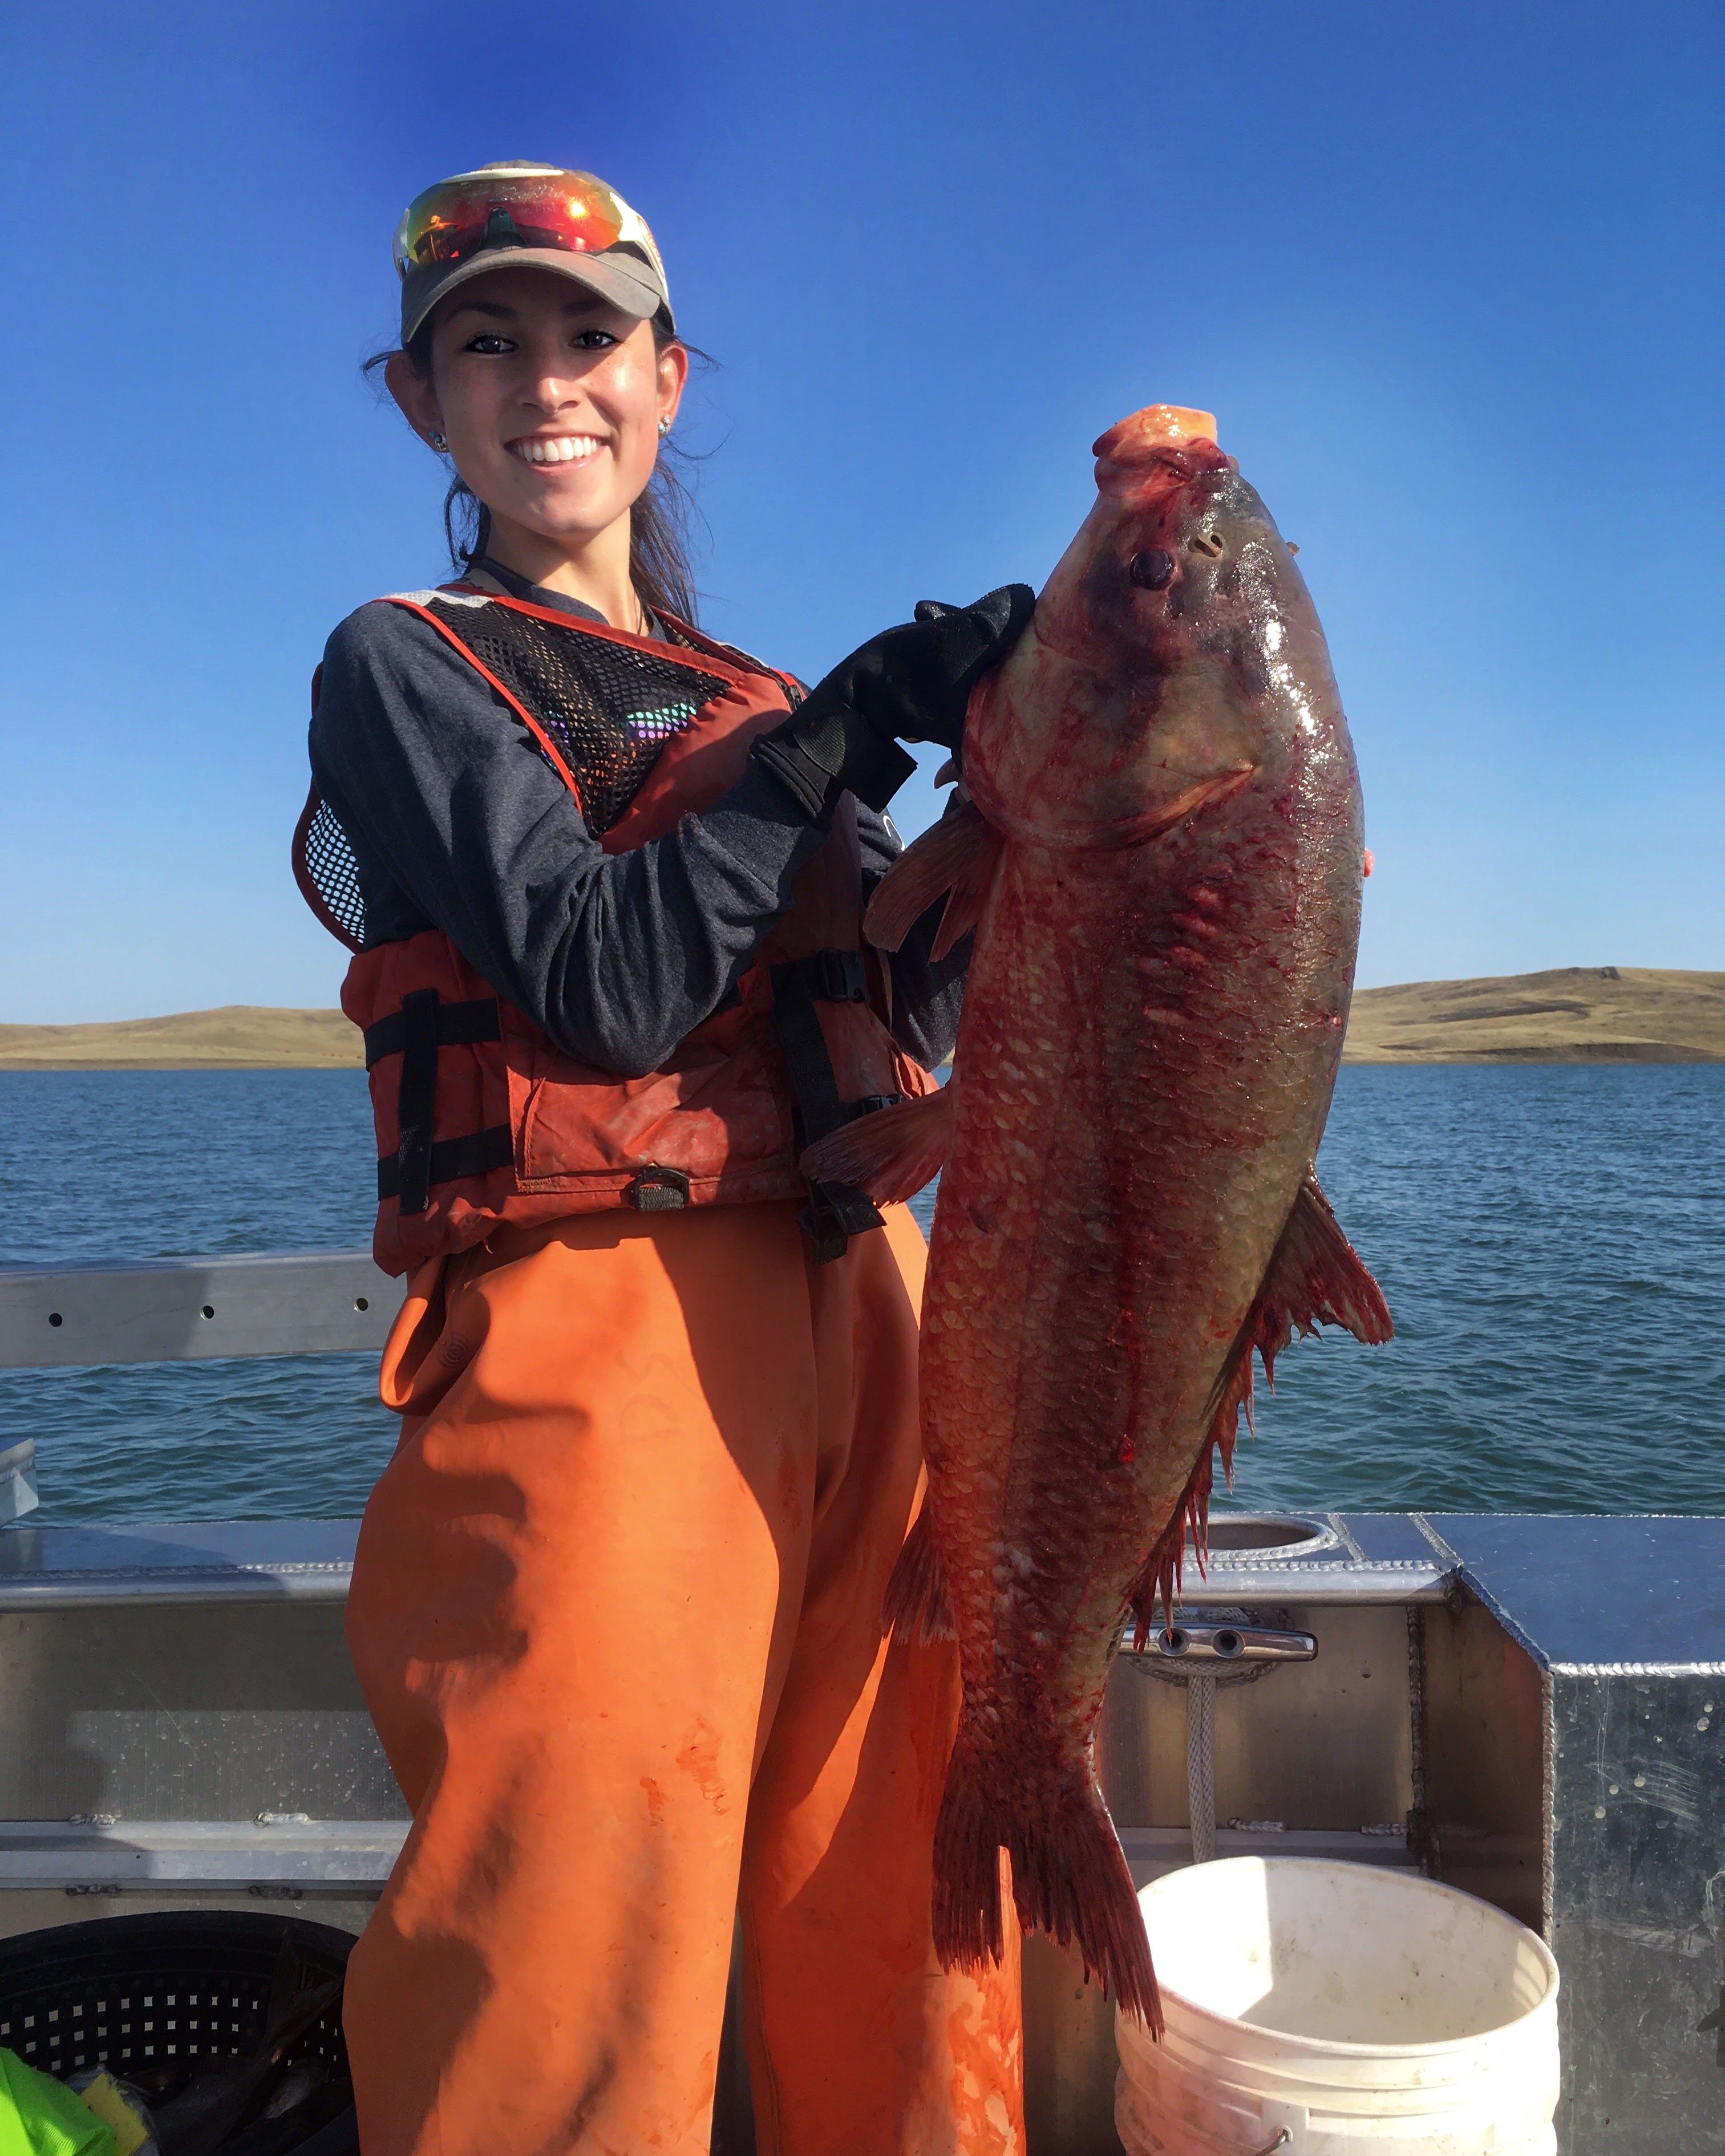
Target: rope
x: 1201, y: 1765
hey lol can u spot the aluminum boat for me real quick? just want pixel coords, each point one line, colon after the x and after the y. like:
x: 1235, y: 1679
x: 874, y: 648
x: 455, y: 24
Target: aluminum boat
x: 1531, y: 1709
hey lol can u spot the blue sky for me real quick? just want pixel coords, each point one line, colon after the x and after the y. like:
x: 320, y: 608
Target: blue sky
x: 1450, y: 277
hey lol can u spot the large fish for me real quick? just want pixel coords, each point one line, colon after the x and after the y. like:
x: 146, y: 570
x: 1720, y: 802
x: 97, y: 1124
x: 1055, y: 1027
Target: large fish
x: 1162, y: 857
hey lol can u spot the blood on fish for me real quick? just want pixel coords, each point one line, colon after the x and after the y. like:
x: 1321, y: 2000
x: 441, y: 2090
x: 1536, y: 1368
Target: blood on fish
x: 1127, y: 1216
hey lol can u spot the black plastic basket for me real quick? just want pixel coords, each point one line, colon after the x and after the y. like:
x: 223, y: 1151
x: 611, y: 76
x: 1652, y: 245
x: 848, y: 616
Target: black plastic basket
x: 141, y: 1994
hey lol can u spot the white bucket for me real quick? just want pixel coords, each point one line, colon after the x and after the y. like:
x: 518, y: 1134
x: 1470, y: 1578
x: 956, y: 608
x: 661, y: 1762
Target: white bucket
x: 1336, y: 2010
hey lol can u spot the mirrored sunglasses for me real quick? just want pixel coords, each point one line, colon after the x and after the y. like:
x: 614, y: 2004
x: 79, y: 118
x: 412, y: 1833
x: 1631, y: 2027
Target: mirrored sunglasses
x: 458, y: 218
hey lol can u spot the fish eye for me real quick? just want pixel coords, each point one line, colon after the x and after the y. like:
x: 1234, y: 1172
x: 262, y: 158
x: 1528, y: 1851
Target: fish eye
x: 1152, y: 569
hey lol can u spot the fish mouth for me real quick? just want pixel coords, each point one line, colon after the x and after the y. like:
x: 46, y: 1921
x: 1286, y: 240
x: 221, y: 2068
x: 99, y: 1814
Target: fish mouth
x: 1124, y: 831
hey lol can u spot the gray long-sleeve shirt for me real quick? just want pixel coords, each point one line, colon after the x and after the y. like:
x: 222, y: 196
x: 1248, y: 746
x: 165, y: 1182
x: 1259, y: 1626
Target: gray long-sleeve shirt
x: 458, y: 822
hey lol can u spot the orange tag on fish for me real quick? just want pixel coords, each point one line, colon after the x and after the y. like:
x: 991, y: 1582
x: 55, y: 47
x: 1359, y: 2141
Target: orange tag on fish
x: 1141, y: 441
x: 1155, y: 426
x: 1176, y: 422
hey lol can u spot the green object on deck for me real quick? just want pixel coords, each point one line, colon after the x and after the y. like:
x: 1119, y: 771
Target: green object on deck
x: 41, y: 2117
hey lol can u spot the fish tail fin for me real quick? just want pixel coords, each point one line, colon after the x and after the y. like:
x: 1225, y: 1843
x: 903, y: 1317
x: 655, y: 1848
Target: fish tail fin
x: 890, y: 1153
x: 1069, y: 1879
x: 956, y: 856
x: 968, y: 1841
x: 918, y: 1609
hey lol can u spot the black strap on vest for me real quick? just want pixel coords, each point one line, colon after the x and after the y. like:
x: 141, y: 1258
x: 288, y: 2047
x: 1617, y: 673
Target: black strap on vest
x: 449, y: 1160
x: 459, y: 1025
x: 424, y: 1025
x: 830, y: 977
x: 835, y: 1211
x: 416, y: 1032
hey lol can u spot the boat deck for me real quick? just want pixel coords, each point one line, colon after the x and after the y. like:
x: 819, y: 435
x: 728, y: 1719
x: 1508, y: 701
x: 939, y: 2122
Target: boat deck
x: 1528, y: 1707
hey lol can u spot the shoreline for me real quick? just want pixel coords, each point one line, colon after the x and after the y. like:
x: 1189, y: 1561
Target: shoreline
x: 1574, y: 1015
x: 1569, y: 1014
x: 233, y: 1037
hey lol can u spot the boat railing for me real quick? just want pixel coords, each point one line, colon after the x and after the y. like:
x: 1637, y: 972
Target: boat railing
x: 181, y: 1310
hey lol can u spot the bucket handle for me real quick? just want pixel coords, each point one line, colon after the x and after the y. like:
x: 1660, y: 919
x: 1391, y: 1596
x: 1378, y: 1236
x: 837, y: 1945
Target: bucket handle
x: 1281, y: 2141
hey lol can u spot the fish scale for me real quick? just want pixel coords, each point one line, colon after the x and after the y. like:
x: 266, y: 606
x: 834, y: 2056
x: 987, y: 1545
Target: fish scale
x: 1161, y: 856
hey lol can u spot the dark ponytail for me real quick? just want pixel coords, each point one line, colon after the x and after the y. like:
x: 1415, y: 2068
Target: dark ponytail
x: 659, y: 565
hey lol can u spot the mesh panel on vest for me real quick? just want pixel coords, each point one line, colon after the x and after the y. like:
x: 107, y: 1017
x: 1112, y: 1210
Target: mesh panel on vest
x: 609, y: 708
x: 324, y: 857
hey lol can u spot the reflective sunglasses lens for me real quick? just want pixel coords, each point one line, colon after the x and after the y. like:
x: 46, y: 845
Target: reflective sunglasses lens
x: 450, y: 222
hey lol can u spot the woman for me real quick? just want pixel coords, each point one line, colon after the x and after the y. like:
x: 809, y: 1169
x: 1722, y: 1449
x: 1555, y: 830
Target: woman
x: 616, y: 1604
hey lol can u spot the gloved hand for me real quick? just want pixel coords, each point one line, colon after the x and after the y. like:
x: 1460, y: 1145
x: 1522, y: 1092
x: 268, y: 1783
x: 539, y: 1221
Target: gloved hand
x: 908, y: 684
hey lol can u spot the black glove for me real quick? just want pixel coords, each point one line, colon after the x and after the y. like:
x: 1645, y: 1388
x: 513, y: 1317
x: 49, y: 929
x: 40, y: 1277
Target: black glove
x: 907, y: 684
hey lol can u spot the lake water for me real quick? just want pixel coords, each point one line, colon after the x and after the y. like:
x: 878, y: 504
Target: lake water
x: 1551, y: 1241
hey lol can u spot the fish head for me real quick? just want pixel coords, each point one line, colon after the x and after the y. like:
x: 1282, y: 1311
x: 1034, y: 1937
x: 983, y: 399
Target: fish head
x: 1175, y: 656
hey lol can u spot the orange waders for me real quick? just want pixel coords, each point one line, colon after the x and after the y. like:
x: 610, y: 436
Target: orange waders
x: 616, y: 1612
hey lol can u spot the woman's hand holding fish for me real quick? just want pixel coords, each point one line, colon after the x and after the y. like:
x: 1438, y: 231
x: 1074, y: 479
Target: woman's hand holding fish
x: 911, y: 683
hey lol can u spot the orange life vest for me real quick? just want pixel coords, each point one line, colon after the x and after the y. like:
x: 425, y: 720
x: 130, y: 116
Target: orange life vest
x: 480, y: 1116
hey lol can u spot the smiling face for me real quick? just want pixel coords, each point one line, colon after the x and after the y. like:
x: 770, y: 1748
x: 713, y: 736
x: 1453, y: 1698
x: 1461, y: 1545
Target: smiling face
x: 550, y: 401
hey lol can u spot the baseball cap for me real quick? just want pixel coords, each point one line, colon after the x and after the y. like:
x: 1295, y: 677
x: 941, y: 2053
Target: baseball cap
x: 523, y: 216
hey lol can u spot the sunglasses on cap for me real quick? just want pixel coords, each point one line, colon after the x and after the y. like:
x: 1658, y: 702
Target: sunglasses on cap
x: 548, y: 216
x: 457, y: 218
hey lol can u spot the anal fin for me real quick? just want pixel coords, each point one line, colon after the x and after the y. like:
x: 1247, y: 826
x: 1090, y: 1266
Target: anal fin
x: 890, y: 1153
x: 1158, y: 1579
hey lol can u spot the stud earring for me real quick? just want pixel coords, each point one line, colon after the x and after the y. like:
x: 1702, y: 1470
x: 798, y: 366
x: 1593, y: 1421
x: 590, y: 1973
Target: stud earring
x: 665, y: 426
x: 439, y: 443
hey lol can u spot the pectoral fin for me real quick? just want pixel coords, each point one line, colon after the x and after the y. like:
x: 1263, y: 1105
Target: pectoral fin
x: 956, y: 856
x: 918, y: 1609
x: 891, y: 1153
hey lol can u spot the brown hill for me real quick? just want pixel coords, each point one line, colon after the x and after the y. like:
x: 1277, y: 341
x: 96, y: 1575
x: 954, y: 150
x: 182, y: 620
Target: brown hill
x: 1577, y: 1014
x: 237, y: 1037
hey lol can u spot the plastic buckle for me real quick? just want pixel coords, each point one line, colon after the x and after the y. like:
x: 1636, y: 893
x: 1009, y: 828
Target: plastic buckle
x: 841, y: 977
x: 872, y: 1104
x: 834, y: 1212
x: 657, y: 1190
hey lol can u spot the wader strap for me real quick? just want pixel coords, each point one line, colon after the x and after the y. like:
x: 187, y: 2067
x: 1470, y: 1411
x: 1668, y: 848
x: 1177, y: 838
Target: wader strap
x: 416, y: 1032
x: 835, y: 1211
